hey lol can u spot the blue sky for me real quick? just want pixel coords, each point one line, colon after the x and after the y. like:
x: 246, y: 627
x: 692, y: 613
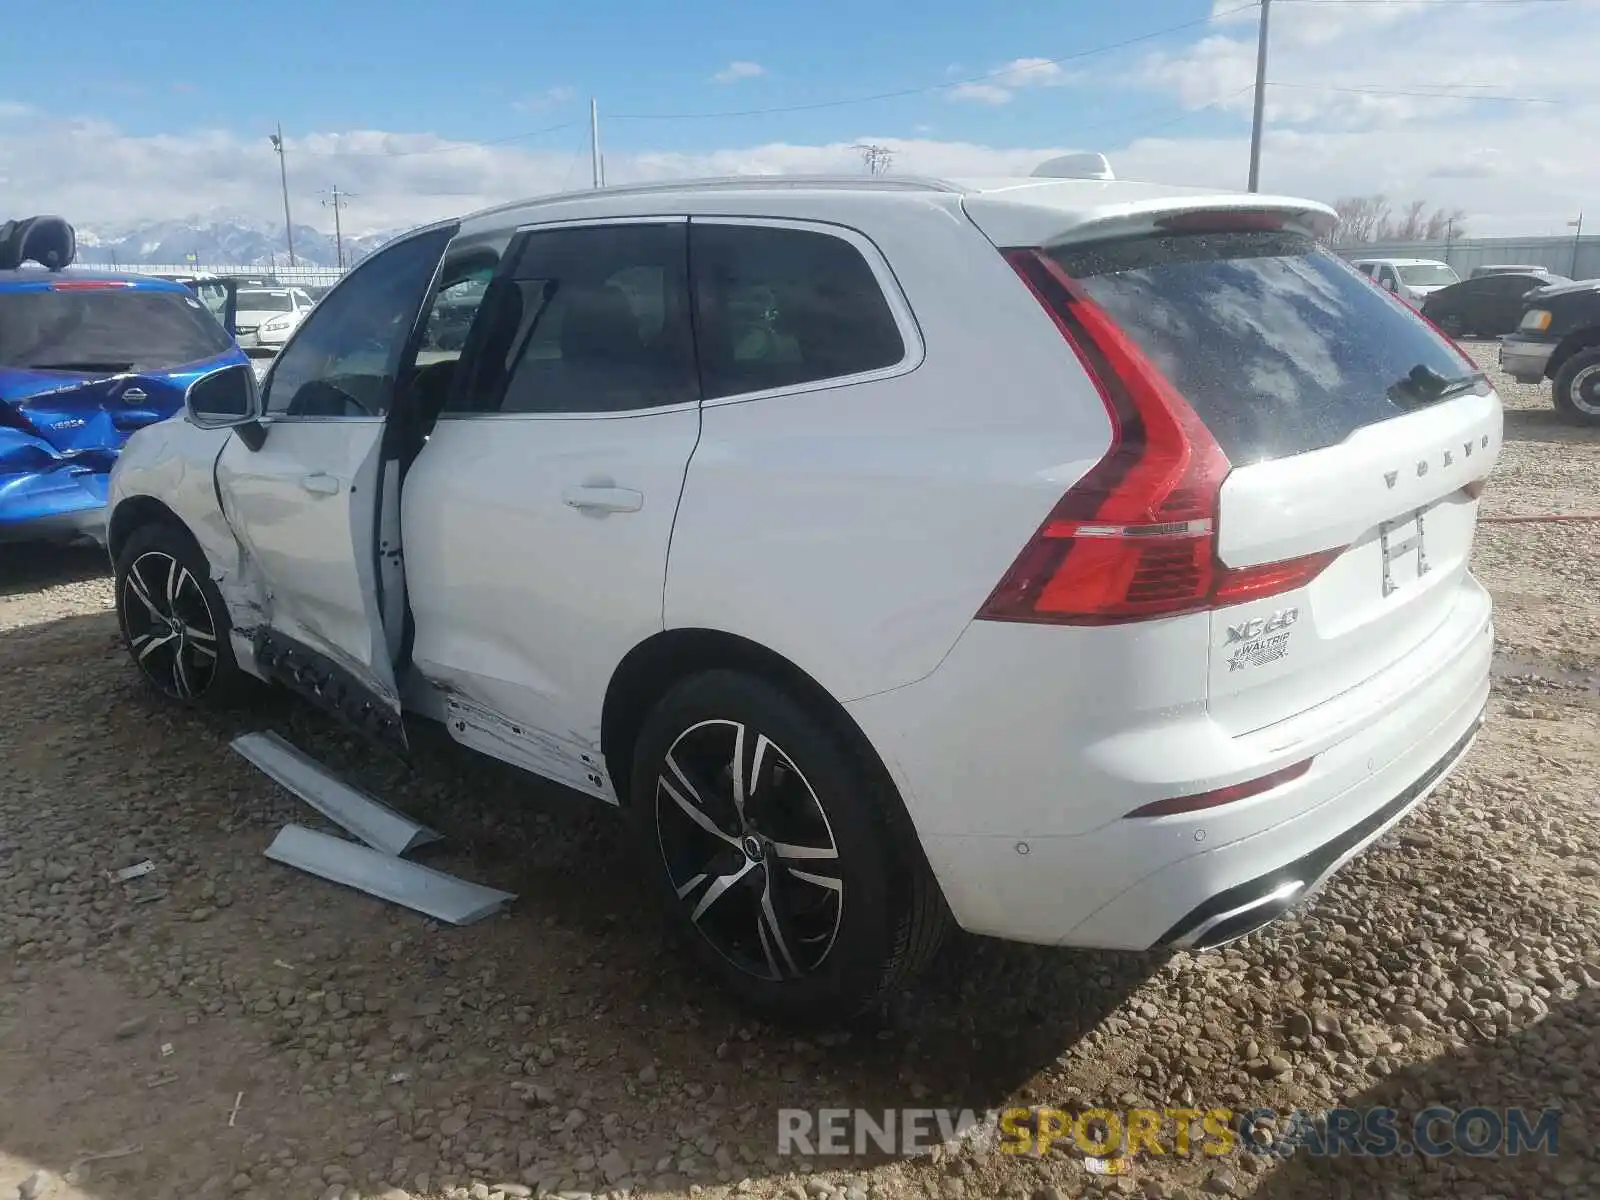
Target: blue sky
x: 423, y: 109
x: 490, y: 69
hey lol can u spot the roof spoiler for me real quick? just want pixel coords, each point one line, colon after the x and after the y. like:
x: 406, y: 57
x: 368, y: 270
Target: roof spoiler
x: 48, y: 241
x: 1075, y: 166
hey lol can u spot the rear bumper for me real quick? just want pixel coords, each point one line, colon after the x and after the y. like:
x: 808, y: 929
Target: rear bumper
x: 61, y: 504
x: 1239, y: 910
x: 1523, y: 360
x: 1021, y: 815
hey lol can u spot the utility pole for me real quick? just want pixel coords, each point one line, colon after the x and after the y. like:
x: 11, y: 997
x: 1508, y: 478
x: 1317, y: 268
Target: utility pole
x: 877, y: 159
x: 1449, y: 237
x: 283, y: 174
x: 594, y: 144
x: 337, y: 200
x: 1577, y: 243
x: 1261, y: 100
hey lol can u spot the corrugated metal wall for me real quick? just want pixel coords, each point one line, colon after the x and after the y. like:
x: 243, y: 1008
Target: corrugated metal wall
x: 1555, y: 253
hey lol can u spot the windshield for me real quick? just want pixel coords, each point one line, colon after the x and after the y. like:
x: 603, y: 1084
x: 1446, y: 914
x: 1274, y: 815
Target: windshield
x: 115, y: 330
x: 1427, y: 274
x: 251, y: 300
x: 1279, y: 346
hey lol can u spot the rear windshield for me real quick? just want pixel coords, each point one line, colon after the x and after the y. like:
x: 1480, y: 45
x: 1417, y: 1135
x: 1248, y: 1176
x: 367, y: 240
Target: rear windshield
x: 113, y: 330
x: 1280, y: 346
x: 1427, y: 274
x: 265, y: 302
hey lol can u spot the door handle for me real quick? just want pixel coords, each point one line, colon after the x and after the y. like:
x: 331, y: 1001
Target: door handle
x: 320, y: 484
x: 603, y: 499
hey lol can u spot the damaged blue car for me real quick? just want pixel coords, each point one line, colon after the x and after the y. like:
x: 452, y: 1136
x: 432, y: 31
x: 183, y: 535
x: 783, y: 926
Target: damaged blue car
x: 85, y: 360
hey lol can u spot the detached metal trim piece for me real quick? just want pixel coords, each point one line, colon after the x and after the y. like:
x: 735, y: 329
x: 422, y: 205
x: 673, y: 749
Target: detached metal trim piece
x: 374, y: 822
x: 385, y: 876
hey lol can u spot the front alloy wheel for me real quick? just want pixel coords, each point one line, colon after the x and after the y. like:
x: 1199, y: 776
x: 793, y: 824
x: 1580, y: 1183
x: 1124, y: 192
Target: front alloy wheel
x: 173, y: 621
x: 171, y: 631
x: 1577, y: 387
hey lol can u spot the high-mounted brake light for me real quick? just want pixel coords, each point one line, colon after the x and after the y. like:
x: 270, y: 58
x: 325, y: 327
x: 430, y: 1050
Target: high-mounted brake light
x: 1135, y: 538
x: 88, y: 285
x: 1223, y: 795
x: 1223, y: 220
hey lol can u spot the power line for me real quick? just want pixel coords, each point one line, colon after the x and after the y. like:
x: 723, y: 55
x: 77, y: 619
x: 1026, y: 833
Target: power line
x: 947, y: 85
x: 1368, y: 91
x: 515, y: 137
x: 1420, y: 3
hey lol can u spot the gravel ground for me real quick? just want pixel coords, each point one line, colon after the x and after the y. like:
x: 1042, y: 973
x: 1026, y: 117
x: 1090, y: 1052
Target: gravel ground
x: 224, y: 1026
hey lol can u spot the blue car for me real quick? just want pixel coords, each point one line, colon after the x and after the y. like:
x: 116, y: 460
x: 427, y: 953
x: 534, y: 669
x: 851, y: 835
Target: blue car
x: 85, y: 360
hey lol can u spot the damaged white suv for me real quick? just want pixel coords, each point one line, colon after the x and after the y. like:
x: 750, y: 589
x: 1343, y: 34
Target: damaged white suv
x: 1081, y: 561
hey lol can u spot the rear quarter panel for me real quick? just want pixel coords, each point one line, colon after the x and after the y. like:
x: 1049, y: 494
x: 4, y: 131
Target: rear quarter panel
x: 856, y: 529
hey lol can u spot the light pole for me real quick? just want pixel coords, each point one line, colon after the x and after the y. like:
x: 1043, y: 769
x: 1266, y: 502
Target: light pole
x: 283, y: 174
x: 1261, y: 101
x: 1577, y: 242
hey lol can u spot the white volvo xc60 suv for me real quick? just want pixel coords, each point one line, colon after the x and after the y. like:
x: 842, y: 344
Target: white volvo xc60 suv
x: 1081, y: 561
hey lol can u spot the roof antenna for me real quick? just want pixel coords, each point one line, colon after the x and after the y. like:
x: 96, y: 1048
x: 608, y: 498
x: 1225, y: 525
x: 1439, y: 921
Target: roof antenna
x: 1075, y: 166
x: 48, y: 241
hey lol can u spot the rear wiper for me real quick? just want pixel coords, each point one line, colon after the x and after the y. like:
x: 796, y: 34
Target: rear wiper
x: 1423, y: 385
x: 80, y: 365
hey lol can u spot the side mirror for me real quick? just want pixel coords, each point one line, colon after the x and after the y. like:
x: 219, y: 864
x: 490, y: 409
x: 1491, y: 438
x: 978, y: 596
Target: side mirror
x: 224, y: 398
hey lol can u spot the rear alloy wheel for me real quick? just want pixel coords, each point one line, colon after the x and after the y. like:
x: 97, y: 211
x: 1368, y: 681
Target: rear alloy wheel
x: 173, y: 621
x: 1577, y: 387
x: 785, y: 862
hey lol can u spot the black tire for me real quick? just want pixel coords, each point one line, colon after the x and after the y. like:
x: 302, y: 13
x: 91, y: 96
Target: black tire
x: 806, y: 938
x: 1577, y: 387
x: 162, y: 571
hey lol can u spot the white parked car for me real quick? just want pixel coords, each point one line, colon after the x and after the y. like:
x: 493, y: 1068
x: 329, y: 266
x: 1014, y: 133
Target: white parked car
x: 266, y: 316
x: 1412, y: 279
x: 1081, y: 561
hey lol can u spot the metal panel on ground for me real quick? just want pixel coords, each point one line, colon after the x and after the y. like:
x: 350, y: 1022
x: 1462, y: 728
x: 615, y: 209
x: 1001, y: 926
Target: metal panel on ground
x: 385, y: 876
x: 374, y: 822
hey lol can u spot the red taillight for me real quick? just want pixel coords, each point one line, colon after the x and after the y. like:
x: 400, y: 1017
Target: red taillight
x: 88, y: 285
x: 1136, y: 537
x: 1222, y: 795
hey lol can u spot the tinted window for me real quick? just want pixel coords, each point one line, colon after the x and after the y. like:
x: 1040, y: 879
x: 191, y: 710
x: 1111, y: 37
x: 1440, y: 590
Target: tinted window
x: 343, y: 359
x: 591, y: 319
x: 255, y: 301
x: 115, y: 329
x: 780, y: 307
x: 1278, y: 345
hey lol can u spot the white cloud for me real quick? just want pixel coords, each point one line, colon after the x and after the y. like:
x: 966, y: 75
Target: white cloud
x: 739, y: 69
x: 1514, y: 168
x: 1374, y: 65
x: 1000, y: 85
x: 551, y: 97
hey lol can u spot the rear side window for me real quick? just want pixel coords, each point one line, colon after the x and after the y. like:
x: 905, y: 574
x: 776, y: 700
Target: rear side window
x: 778, y: 307
x: 114, y: 329
x: 592, y: 319
x: 1278, y: 345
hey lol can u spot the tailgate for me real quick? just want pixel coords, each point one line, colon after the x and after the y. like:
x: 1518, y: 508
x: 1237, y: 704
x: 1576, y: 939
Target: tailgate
x: 1399, y: 496
x: 1356, y: 440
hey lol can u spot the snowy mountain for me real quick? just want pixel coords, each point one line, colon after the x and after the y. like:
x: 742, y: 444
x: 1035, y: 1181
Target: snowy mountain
x: 221, y: 240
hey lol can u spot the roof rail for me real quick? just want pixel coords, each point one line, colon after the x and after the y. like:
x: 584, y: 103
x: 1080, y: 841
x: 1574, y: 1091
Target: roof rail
x: 48, y: 241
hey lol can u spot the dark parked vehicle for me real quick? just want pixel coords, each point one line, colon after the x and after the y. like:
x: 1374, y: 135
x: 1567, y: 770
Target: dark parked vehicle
x: 1558, y: 338
x: 1485, y: 305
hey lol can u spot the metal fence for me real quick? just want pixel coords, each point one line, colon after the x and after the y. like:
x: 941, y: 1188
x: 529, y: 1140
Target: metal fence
x: 305, y: 276
x: 1576, y: 258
